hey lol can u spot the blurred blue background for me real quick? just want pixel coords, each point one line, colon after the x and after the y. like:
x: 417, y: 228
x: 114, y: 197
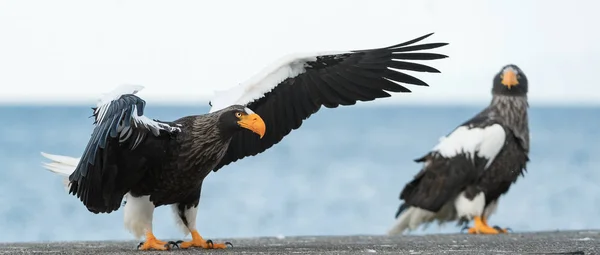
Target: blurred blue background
x: 342, y: 172
x: 339, y: 174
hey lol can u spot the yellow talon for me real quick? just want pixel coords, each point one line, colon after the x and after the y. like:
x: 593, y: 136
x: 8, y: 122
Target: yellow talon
x: 152, y: 243
x: 481, y: 227
x: 198, y: 241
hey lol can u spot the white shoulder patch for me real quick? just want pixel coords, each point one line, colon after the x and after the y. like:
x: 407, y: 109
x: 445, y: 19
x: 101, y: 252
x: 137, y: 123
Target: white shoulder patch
x: 125, y: 131
x: 118, y: 92
x: 265, y: 81
x: 106, y: 99
x: 486, y: 142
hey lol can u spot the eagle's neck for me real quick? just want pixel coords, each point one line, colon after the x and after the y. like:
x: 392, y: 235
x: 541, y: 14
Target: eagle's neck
x: 512, y: 111
x: 203, y: 146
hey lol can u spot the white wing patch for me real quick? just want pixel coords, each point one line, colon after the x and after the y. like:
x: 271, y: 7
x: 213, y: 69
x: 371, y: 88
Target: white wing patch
x: 486, y: 142
x: 153, y: 125
x: 107, y: 99
x: 260, y: 84
x: 136, y: 121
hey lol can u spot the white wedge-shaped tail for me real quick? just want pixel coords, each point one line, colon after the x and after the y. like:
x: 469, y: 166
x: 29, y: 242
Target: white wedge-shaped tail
x: 61, y: 165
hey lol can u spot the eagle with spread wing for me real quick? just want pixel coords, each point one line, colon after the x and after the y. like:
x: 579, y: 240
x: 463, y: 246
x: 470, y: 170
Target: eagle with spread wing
x: 152, y: 163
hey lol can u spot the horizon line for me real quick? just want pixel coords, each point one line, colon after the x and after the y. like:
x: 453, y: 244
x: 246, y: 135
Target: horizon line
x: 203, y: 101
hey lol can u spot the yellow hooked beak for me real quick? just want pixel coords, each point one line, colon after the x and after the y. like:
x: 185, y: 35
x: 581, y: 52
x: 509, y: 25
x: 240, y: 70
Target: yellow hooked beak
x: 509, y: 79
x: 254, y: 123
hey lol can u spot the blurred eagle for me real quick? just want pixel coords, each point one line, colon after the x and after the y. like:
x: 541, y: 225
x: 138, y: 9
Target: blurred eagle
x: 464, y: 175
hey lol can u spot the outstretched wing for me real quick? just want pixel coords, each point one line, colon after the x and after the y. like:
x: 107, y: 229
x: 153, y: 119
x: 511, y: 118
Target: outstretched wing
x: 123, y: 142
x: 455, y: 162
x: 298, y: 86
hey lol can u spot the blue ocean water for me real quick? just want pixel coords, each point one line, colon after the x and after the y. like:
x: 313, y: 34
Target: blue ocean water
x: 339, y: 174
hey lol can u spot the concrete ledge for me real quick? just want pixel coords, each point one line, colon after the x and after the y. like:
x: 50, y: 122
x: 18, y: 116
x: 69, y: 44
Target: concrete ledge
x: 559, y: 242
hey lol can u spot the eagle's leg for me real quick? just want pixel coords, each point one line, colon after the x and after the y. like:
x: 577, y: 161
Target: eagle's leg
x: 499, y: 229
x: 481, y: 227
x: 187, y: 217
x: 138, y: 214
x: 152, y: 243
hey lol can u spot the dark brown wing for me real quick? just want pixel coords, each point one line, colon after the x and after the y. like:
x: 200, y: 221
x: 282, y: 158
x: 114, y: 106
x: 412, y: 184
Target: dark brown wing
x: 330, y: 81
x: 122, y: 146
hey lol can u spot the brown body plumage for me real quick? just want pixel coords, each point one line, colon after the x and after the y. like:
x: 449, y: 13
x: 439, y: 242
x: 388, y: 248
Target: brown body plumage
x: 166, y: 168
x: 465, y: 174
x: 153, y: 163
x: 189, y: 156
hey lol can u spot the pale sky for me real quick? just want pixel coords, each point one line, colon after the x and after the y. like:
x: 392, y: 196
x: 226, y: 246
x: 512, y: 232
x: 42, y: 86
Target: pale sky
x: 181, y: 51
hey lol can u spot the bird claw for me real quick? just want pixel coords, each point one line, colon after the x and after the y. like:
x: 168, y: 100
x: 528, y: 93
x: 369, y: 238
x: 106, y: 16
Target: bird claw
x: 212, y: 244
x: 167, y: 245
x: 503, y: 230
x: 173, y: 244
x: 464, y: 228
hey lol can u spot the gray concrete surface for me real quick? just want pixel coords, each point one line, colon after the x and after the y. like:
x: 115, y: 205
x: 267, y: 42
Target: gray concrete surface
x: 559, y: 242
